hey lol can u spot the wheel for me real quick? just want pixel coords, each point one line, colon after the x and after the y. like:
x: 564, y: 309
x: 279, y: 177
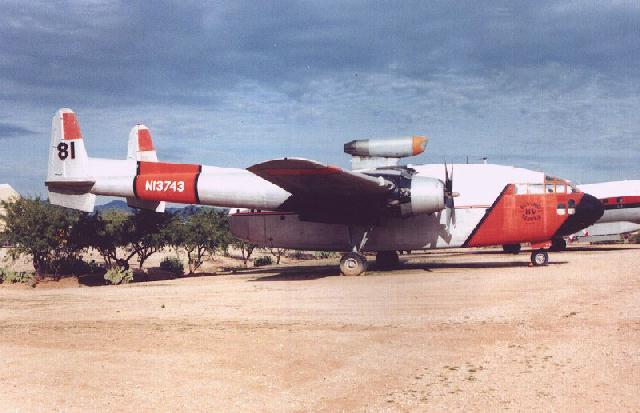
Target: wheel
x: 511, y: 248
x: 352, y: 264
x: 539, y: 257
x: 386, y: 260
x: 558, y: 244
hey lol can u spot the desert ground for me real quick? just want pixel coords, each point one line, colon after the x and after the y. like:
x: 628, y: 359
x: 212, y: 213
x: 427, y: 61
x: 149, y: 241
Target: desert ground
x: 450, y: 330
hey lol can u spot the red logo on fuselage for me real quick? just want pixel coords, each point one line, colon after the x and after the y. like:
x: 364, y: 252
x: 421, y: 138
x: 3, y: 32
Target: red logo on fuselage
x: 531, y: 211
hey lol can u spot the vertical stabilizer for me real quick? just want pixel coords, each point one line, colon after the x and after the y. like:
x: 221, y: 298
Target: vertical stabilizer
x: 141, y: 148
x: 141, y: 145
x: 69, y: 179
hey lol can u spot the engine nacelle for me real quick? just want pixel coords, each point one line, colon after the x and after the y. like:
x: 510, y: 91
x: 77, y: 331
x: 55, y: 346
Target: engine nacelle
x: 387, y: 148
x: 426, y: 197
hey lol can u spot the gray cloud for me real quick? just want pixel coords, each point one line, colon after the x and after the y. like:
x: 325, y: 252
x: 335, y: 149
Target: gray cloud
x: 8, y: 130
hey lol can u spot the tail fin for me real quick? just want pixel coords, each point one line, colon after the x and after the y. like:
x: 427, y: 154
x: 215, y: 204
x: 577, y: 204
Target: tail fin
x: 140, y: 145
x: 141, y: 148
x: 69, y: 180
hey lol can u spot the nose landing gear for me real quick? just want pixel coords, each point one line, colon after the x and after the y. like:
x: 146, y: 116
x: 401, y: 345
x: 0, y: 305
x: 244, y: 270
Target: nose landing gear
x: 539, y: 257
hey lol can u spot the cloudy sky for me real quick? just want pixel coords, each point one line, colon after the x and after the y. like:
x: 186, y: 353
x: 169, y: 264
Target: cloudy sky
x: 551, y: 85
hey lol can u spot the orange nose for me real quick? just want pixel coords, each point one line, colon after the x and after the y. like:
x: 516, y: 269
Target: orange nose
x: 419, y: 143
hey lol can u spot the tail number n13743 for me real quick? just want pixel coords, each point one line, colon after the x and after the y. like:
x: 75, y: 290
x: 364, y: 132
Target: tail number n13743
x: 164, y: 186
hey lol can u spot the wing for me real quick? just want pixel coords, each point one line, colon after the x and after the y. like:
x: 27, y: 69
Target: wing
x: 302, y: 176
x: 326, y: 193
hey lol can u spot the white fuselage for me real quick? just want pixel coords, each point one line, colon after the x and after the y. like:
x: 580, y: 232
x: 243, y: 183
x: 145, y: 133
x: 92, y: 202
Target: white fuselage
x: 478, y: 186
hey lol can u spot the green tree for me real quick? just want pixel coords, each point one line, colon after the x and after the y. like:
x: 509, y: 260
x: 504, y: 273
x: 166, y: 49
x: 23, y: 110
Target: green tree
x: 107, y: 233
x: 246, y: 249
x: 278, y: 253
x: 149, y: 233
x: 200, y: 232
x: 119, y: 236
x: 46, y: 233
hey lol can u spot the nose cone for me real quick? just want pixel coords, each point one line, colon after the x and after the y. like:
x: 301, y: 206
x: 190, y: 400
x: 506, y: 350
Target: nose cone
x: 588, y: 211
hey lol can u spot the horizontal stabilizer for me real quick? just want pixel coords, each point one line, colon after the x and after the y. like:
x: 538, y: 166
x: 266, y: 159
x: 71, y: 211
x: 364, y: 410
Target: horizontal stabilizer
x: 83, y: 202
x: 70, y: 186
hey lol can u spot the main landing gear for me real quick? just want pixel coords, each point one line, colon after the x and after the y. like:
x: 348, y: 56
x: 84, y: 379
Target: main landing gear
x: 353, y: 263
x: 387, y: 260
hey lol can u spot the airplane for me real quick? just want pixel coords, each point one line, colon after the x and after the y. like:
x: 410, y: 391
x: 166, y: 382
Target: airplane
x: 379, y: 206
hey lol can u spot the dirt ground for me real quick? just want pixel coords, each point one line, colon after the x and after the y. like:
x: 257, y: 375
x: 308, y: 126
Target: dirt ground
x: 451, y: 330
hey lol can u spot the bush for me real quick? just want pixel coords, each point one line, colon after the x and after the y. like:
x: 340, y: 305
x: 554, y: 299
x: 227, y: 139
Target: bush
x: 118, y: 276
x: 173, y: 265
x: 13, y: 277
x: 67, y: 266
x: 325, y: 254
x: 300, y: 255
x: 261, y: 261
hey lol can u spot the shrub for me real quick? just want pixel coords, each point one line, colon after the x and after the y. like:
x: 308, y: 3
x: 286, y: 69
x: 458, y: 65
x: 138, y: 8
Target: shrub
x: 14, y: 277
x: 118, y: 276
x: 173, y: 265
x: 261, y: 261
x: 325, y: 254
x: 67, y: 266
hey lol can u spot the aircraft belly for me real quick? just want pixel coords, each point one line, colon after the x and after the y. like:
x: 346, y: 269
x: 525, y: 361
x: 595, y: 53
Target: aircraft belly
x: 275, y: 230
x: 424, y: 231
x: 270, y: 229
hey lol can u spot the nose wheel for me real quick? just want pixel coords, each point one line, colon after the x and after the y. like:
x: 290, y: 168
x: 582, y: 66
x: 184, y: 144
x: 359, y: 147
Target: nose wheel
x: 539, y: 257
x: 352, y: 264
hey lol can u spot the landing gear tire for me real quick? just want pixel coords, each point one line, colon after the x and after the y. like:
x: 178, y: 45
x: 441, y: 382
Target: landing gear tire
x: 539, y: 258
x: 558, y: 244
x: 511, y: 248
x: 387, y: 260
x: 352, y: 264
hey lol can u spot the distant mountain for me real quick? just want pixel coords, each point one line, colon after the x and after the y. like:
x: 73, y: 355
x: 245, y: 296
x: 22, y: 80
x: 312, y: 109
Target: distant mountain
x: 120, y: 205
x: 116, y: 204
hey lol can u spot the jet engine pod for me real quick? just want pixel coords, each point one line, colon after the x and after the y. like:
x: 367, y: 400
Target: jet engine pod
x: 427, y: 196
x: 387, y: 148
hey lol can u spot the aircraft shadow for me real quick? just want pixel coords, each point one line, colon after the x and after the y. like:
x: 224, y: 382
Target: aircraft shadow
x: 297, y: 273
x: 307, y: 273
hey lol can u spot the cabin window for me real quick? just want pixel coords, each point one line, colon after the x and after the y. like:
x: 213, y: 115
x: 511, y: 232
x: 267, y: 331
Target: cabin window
x: 521, y: 189
x: 571, y: 206
x: 550, y: 188
x: 561, y: 209
x: 536, y: 189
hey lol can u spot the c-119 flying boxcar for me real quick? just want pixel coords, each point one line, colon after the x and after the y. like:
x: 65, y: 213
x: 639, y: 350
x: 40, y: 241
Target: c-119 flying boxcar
x: 379, y: 206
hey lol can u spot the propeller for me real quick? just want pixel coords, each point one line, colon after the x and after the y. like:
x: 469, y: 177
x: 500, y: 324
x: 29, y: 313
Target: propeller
x: 449, y: 195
